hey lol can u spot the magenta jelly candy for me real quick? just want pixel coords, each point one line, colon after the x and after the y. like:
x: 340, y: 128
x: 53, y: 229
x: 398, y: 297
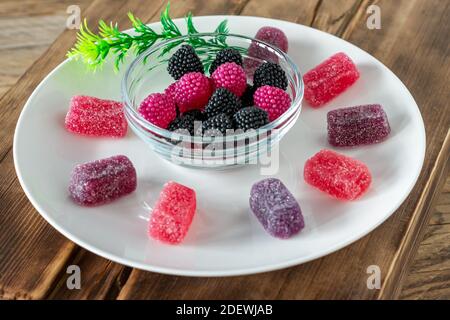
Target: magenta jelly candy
x: 276, y: 208
x: 329, y: 79
x: 102, y: 181
x: 96, y: 117
x: 173, y: 213
x: 358, y: 125
x: 340, y: 176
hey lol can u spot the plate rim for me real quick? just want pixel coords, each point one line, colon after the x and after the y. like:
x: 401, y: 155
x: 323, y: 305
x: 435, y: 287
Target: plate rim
x: 223, y: 272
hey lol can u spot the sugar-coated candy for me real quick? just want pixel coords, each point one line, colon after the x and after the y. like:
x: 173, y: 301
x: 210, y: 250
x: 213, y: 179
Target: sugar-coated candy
x: 96, y: 117
x: 270, y: 35
x: 102, y: 181
x: 329, y: 79
x: 276, y: 208
x: 338, y: 175
x: 357, y: 125
x: 173, y: 213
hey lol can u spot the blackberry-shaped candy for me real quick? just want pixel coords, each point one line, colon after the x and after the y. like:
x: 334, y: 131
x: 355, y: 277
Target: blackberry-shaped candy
x: 270, y: 74
x: 250, y: 118
x: 247, y: 97
x: 226, y: 55
x: 183, y: 122
x: 220, y: 123
x: 197, y: 114
x: 222, y: 101
x: 183, y: 61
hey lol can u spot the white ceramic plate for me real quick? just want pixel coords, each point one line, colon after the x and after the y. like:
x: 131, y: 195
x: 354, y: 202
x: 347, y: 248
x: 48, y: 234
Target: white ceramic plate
x: 225, y: 238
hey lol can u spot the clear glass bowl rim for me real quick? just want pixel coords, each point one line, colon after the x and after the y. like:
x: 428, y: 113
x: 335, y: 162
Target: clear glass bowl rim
x: 138, y: 61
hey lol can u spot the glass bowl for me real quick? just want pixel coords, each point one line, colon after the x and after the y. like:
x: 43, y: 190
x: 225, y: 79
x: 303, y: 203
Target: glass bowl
x: 148, y: 74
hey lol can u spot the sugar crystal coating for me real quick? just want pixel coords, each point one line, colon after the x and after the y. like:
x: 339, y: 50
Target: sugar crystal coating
x: 358, y: 125
x: 102, y: 181
x: 276, y: 208
x: 173, y: 213
x: 329, y: 79
x: 338, y: 175
x: 96, y: 117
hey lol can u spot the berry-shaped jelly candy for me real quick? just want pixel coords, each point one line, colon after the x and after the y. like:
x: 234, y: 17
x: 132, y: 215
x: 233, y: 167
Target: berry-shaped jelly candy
x: 273, y: 100
x: 358, y: 125
x: 329, y: 79
x: 276, y: 208
x: 159, y: 109
x: 230, y: 76
x: 192, y: 91
x: 173, y: 213
x: 96, y: 117
x: 102, y: 181
x: 338, y: 175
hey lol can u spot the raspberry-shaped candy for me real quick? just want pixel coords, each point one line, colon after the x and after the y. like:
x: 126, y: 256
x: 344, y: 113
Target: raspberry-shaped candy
x: 158, y: 109
x: 230, y: 76
x: 192, y: 91
x: 170, y: 91
x: 272, y: 99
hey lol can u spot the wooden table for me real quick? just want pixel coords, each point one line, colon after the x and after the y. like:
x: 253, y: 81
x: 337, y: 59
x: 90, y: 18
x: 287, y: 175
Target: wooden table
x: 413, y: 42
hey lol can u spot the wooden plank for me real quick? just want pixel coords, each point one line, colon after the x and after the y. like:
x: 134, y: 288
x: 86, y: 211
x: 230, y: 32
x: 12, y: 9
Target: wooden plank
x: 429, y: 275
x: 428, y: 285
x: 100, y: 278
x: 391, y: 244
x: 442, y: 214
x: 27, y: 239
x: 32, y: 8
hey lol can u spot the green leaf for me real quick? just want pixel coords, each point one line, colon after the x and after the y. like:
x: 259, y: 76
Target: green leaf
x: 190, y: 25
x: 93, y: 49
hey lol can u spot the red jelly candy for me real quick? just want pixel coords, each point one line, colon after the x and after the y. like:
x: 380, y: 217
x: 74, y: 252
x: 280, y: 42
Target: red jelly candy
x: 173, y: 213
x: 329, y: 79
x: 340, y: 176
x: 102, y: 181
x: 96, y: 117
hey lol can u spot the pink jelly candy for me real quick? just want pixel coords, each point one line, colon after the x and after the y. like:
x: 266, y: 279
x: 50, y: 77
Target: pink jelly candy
x: 173, y: 213
x: 102, y: 181
x: 340, y: 176
x: 329, y: 79
x: 358, y: 125
x: 96, y: 117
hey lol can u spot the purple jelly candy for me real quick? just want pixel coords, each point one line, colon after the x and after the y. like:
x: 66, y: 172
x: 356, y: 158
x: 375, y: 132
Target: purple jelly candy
x: 276, y: 208
x: 358, y: 125
x: 102, y: 181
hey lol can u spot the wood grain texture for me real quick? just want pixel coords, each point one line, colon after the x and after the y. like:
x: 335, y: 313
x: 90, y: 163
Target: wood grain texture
x: 34, y: 257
